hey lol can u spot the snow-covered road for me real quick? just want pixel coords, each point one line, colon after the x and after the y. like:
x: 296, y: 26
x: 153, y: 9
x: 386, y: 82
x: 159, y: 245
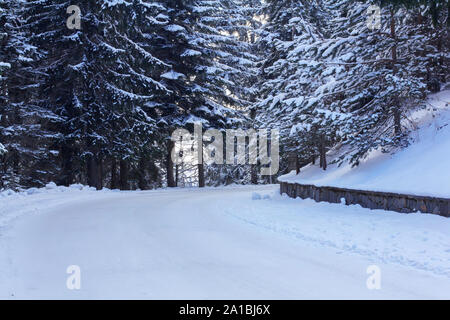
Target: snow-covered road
x: 214, y: 244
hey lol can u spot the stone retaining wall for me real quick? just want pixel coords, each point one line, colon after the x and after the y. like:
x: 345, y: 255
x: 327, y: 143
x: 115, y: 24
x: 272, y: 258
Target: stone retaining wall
x: 369, y: 199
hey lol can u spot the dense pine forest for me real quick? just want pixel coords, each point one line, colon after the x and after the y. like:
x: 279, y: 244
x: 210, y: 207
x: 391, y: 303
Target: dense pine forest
x: 97, y: 104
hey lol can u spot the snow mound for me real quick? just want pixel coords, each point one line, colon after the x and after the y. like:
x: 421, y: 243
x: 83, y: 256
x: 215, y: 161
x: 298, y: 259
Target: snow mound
x: 256, y: 196
x: 14, y: 204
x: 50, y: 187
x: 421, y: 169
x: 259, y: 196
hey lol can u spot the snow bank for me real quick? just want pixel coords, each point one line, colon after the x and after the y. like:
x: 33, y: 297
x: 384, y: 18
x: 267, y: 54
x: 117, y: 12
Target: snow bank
x: 421, y: 169
x: 34, y: 200
x: 416, y: 240
x: 49, y: 187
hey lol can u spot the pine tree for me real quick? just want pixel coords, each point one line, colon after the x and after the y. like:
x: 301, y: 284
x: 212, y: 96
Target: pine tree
x: 289, y: 86
x: 227, y: 30
x: 3, y: 64
x: 193, y: 45
x: 341, y: 83
x: 103, y: 87
x: 98, y: 105
x: 23, y: 124
x: 384, y: 74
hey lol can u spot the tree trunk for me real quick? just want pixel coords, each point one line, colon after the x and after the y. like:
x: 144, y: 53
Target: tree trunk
x: 323, y: 154
x: 114, y: 182
x: 176, y: 174
x: 100, y: 173
x: 320, y: 154
x: 15, y: 160
x: 154, y: 174
x: 67, y: 166
x: 254, y: 174
x: 201, y: 169
x: 201, y: 175
x: 297, y: 164
x: 124, y: 175
x: 142, y: 183
x: 92, y: 172
x: 169, y: 164
x: 397, y: 120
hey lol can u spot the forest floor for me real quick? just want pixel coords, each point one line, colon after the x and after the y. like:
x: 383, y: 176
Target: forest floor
x: 238, y: 242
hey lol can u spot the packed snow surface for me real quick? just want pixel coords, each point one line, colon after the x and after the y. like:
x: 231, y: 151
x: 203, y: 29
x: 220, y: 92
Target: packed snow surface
x: 215, y: 243
x: 423, y: 168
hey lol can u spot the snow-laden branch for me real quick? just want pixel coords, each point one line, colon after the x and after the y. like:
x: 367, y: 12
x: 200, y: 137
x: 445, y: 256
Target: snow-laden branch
x: 2, y: 149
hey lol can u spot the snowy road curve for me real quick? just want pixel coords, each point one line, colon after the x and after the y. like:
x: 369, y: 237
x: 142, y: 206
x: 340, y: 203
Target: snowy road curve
x: 214, y: 244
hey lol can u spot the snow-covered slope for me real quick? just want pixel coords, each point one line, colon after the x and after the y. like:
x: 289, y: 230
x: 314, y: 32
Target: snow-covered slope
x: 423, y: 168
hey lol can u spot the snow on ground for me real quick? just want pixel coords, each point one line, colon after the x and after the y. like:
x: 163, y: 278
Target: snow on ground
x: 422, y: 169
x: 231, y: 243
